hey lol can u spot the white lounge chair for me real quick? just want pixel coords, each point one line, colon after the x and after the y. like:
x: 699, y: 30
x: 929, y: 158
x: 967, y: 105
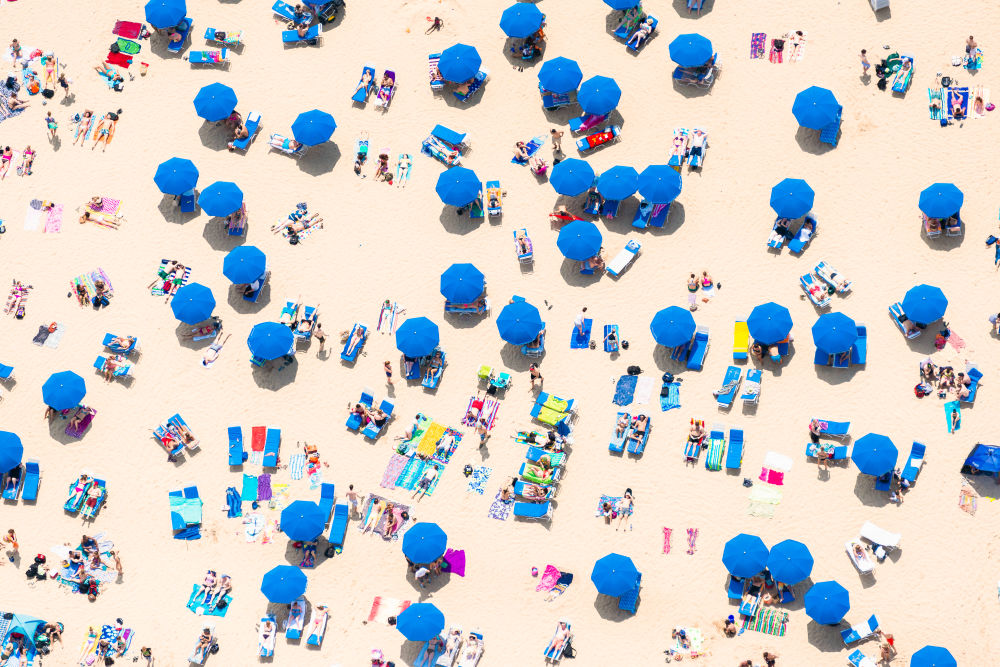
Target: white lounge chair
x: 200, y: 653
x: 452, y: 646
x: 882, y: 540
x: 856, y: 551
x: 266, y: 635
x: 471, y: 651
x: 624, y: 258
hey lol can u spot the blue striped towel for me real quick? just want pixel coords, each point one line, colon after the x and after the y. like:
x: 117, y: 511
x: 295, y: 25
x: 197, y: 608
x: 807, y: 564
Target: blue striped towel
x: 411, y: 473
x: 673, y: 397
x: 297, y: 464
x: 235, y: 503
x: 625, y: 389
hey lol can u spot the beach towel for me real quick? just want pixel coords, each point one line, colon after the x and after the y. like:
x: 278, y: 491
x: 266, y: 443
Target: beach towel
x: 33, y: 216
x: 234, y: 503
x: 611, y: 500
x: 199, y: 607
x: 764, y: 501
x: 428, y: 443
x: 296, y: 465
x: 253, y: 526
x: 120, y: 59
x: 565, y: 579
x: 90, y: 131
x: 643, y: 390
x: 625, y: 389
x: 127, y: 29
x: 967, y: 501
x: 549, y: 578
x: 158, y: 287
x: 500, y: 509
x: 455, y: 558
x: 43, y: 333
x: 531, y: 148
x: 954, y: 422
x: 959, y: 96
x: 776, y: 461
x: 5, y: 110
x: 673, y: 398
x: 982, y: 93
x: 775, y: 56
x: 775, y: 477
x: 692, y: 540
x: 392, y: 471
x: 798, y: 50
x: 410, y: 473
x: 769, y: 621
x: 453, y: 437
x: 249, y: 492
x: 936, y: 95
x: 53, y: 223
x: 757, y: 43
x: 478, y: 479
x: 383, y: 608
x: 258, y: 436
x: 264, y: 487
x: 52, y: 340
x: 956, y: 341
x: 666, y: 539
x: 581, y: 341
x: 128, y: 47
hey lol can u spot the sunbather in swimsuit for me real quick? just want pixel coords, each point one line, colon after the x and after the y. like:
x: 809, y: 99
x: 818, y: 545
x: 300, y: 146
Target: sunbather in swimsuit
x: 374, y: 515
x: 77, y: 490
x: 207, y: 586
x: 5, y: 159
x: 639, y: 428
x: 642, y: 33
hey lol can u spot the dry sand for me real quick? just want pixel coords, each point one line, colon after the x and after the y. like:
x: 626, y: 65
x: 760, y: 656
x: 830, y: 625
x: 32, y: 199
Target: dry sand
x: 382, y: 242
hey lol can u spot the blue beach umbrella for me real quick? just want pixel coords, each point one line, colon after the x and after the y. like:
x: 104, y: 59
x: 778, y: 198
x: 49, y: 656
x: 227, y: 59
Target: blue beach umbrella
x: 313, y: 127
x: 521, y: 20
x: 11, y: 450
x: 215, y: 102
x: 220, y: 198
x: 941, y: 200
x: 618, y: 183
x: 270, y: 340
x: 572, y: 177
x: 621, y: 4
x: 462, y: 283
x: 792, y: 198
x: 425, y: 542
x: 64, y: 390
x: 933, y: 656
x: 614, y: 575
x: 176, y: 176
x: 834, y: 333
x: 744, y: 555
x: 282, y: 584
x: 417, y: 337
x: 790, y: 562
x: 659, y: 184
x: 924, y: 304
x: 420, y: 622
x: 193, y: 303
x: 165, y: 13
x: 519, y: 323
x: 302, y: 520
x: 579, y: 240
x: 458, y: 186
x: 244, y: 264
x: 599, y: 95
x: 690, y: 50
x: 560, y: 75
x: 459, y: 63
x: 827, y: 602
x: 815, y: 108
x: 769, y: 323
x: 672, y: 326
x: 874, y: 454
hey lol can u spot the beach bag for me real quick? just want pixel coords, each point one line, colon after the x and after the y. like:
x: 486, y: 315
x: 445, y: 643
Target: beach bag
x: 47, y: 93
x: 633, y: 370
x: 668, y: 377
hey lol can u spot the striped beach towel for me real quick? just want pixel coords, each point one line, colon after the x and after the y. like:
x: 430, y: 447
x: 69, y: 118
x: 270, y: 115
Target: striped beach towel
x: 411, y: 472
x: 768, y: 620
x: 99, y: 274
x: 297, y: 465
x: 383, y: 608
x: 158, y: 287
x: 456, y: 438
x: 673, y: 398
x: 392, y: 471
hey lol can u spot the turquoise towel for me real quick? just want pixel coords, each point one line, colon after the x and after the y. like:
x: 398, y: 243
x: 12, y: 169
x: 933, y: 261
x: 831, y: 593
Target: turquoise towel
x: 249, y: 492
x: 950, y: 407
x: 189, y: 509
x: 673, y: 397
x: 412, y: 471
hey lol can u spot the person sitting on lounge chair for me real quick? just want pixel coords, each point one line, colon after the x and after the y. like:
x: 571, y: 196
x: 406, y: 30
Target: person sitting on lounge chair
x: 639, y: 428
x: 435, y: 367
x: 122, y: 342
x: 595, y: 263
x: 953, y: 225
x: 284, y: 143
x: 697, y: 432
x: 640, y: 35
x: 537, y: 343
x: 366, y: 79
x: 622, y: 424
x: 112, y: 364
x: 559, y: 640
x: 908, y: 326
x: 81, y: 414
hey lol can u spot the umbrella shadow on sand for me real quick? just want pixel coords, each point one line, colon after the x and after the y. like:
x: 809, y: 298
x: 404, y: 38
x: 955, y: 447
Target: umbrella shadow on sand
x: 826, y: 638
x: 607, y: 608
x: 809, y: 142
x: 171, y: 211
x: 276, y: 374
x: 218, y: 238
x: 214, y: 136
x: 235, y: 299
x: 320, y: 159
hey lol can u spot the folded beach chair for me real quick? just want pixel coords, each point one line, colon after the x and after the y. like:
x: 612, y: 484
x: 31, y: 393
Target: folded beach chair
x: 92, y: 505
x: 830, y: 134
x: 895, y: 311
x: 338, y: 525
x: 611, y: 338
x: 12, y: 485
x: 287, y: 12
x: 6, y: 372
x: 367, y: 398
x: 557, y: 654
x: 734, y: 457
x: 312, y: 36
x: 271, y: 446
x: 751, y: 387
x: 120, y: 371
x: 316, y: 630
x: 224, y: 37
x: 693, y: 449
x: 803, y: 236
x: 494, y: 198
x: 437, y: 82
x: 282, y: 143
x: 252, y: 124
x: 296, y: 619
x: 29, y: 489
x: 716, y: 447
x: 638, y: 446
x: 859, y: 659
x: 914, y: 462
x: 636, y: 45
x: 617, y: 444
x: 696, y: 148
x: 209, y: 57
x: 538, y: 511
x: 365, y: 89
x: 699, y: 349
x: 882, y: 540
x: 609, y: 134
x: 184, y: 29
x: 860, y: 631
x: 726, y: 394
x: 187, y: 202
x: 817, y: 293
x: 185, y: 512
x: 734, y: 588
x: 236, y: 453
x: 473, y: 86
x: 586, y: 122
x: 581, y: 341
x: 526, y: 253
x: 624, y: 258
x: 372, y: 432
x: 117, y: 349
x: 351, y: 355
x: 679, y: 148
x: 265, y: 638
x: 859, y: 351
x: 383, y: 96
x: 974, y: 375
x: 830, y: 276
x: 628, y: 600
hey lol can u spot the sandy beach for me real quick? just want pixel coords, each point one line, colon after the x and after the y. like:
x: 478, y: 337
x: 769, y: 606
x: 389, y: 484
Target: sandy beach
x: 382, y: 241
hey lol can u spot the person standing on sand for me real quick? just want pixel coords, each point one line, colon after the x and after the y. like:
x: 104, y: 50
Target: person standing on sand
x: 388, y: 373
x: 578, y: 322
x: 557, y: 136
x: 864, y: 62
x: 352, y: 497
x: 11, y: 539
x: 535, y: 375
x: 321, y: 337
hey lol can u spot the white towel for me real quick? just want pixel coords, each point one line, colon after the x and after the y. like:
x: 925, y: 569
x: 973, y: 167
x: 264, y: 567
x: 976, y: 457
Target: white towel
x: 33, y: 217
x: 776, y: 461
x: 643, y: 390
x: 297, y: 465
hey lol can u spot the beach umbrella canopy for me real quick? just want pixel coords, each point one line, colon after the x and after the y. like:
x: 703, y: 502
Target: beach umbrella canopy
x: 815, y: 108
x: 302, y: 520
x: 459, y: 63
x: 579, y: 240
x: 690, y: 50
x: 521, y: 20
x: 244, y: 264
x: 193, y: 303
x: 659, y: 184
x: 924, y: 304
x: 560, y: 75
x: 985, y: 458
x: 519, y: 323
x: 614, y: 575
x: 790, y: 562
x: 417, y: 337
x: 933, y: 656
x: 792, y: 198
x: 618, y: 183
x: 462, y: 283
x: 64, y: 390
x: 599, y: 95
x: 313, y: 127
x: 572, y: 177
x: 283, y: 584
x: 176, y: 176
x: 458, y: 186
x: 420, y: 622
x: 874, y: 454
x: 769, y: 323
x: 425, y: 542
x: 827, y: 602
x: 941, y: 200
x: 221, y: 198
x: 834, y: 333
x: 270, y: 340
x: 11, y: 450
x: 621, y: 4
x: 165, y: 13
x: 745, y: 555
x: 672, y: 326
x: 215, y: 102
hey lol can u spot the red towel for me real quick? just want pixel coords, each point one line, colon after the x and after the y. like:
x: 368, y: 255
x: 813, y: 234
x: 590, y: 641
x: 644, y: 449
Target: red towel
x: 127, y: 29
x: 258, y: 434
x: 119, y: 59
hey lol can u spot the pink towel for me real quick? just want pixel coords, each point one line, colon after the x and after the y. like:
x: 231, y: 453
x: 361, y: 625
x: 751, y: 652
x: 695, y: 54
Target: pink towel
x: 53, y: 224
x: 549, y: 579
x: 956, y: 341
x: 775, y: 477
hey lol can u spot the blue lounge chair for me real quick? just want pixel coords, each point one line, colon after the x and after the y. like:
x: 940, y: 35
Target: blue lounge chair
x: 71, y: 505
x: 183, y: 29
x: 364, y: 90
x: 252, y: 124
x: 975, y: 375
x: 626, y: 28
x: 593, y: 205
x: 841, y: 359
x: 914, y: 462
x: 556, y: 474
x: 432, y: 380
x: 751, y: 386
x: 581, y: 341
x: 884, y: 482
x: 831, y: 133
x: 802, y: 238
x: 680, y: 353
x: 693, y: 449
x: 859, y: 659
x: 776, y: 241
x: 327, y: 495
x: 822, y: 358
x: 552, y: 100
x: 265, y: 644
x: 12, y: 485
x: 535, y: 454
x: 177, y: 520
x: 726, y: 394
x: 351, y: 355
x: 638, y: 446
x: 734, y: 457
x: 609, y: 209
x: 309, y: 315
x: 254, y: 296
x: 117, y: 349
x: 749, y: 607
x: 529, y: 351
x: 820, y: 297
x: 477, y: 82
x: 895, y: 311
x: 695, y: 6
x: 610, y: 338
x: 220, y: 57
x: 29, y: 490
x: 338, y: 525
x: 556, y: 654
x: 537, y: 511
x: 630, y: 599
x: 6, y: 372
x: 735, y: 588
x: 834, y: 429
x: 187, y: 202
x: 839, y: 453
x: 860, y: 631
x: 859, y: 352
x: 699, y: 348
x: 119, y: 372
x: 236, y: 453
x: 617, y: 444
x: 271, y: 446
x: 659, y: 215
x: 312, y: 36
x: 635, y: 46
x: 287, y: 12
x: 178, y: 423
x: 641, y: 218
x: 716, y: 448
x: 367, y: 398
x: 372, y: 431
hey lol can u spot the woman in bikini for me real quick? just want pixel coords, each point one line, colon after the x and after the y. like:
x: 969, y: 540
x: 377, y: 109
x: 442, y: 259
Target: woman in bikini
x: 84, y: 125
x: 78, y: 489
x: 50, y: 63
x: 106, y: 130
x: 5, y: 159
